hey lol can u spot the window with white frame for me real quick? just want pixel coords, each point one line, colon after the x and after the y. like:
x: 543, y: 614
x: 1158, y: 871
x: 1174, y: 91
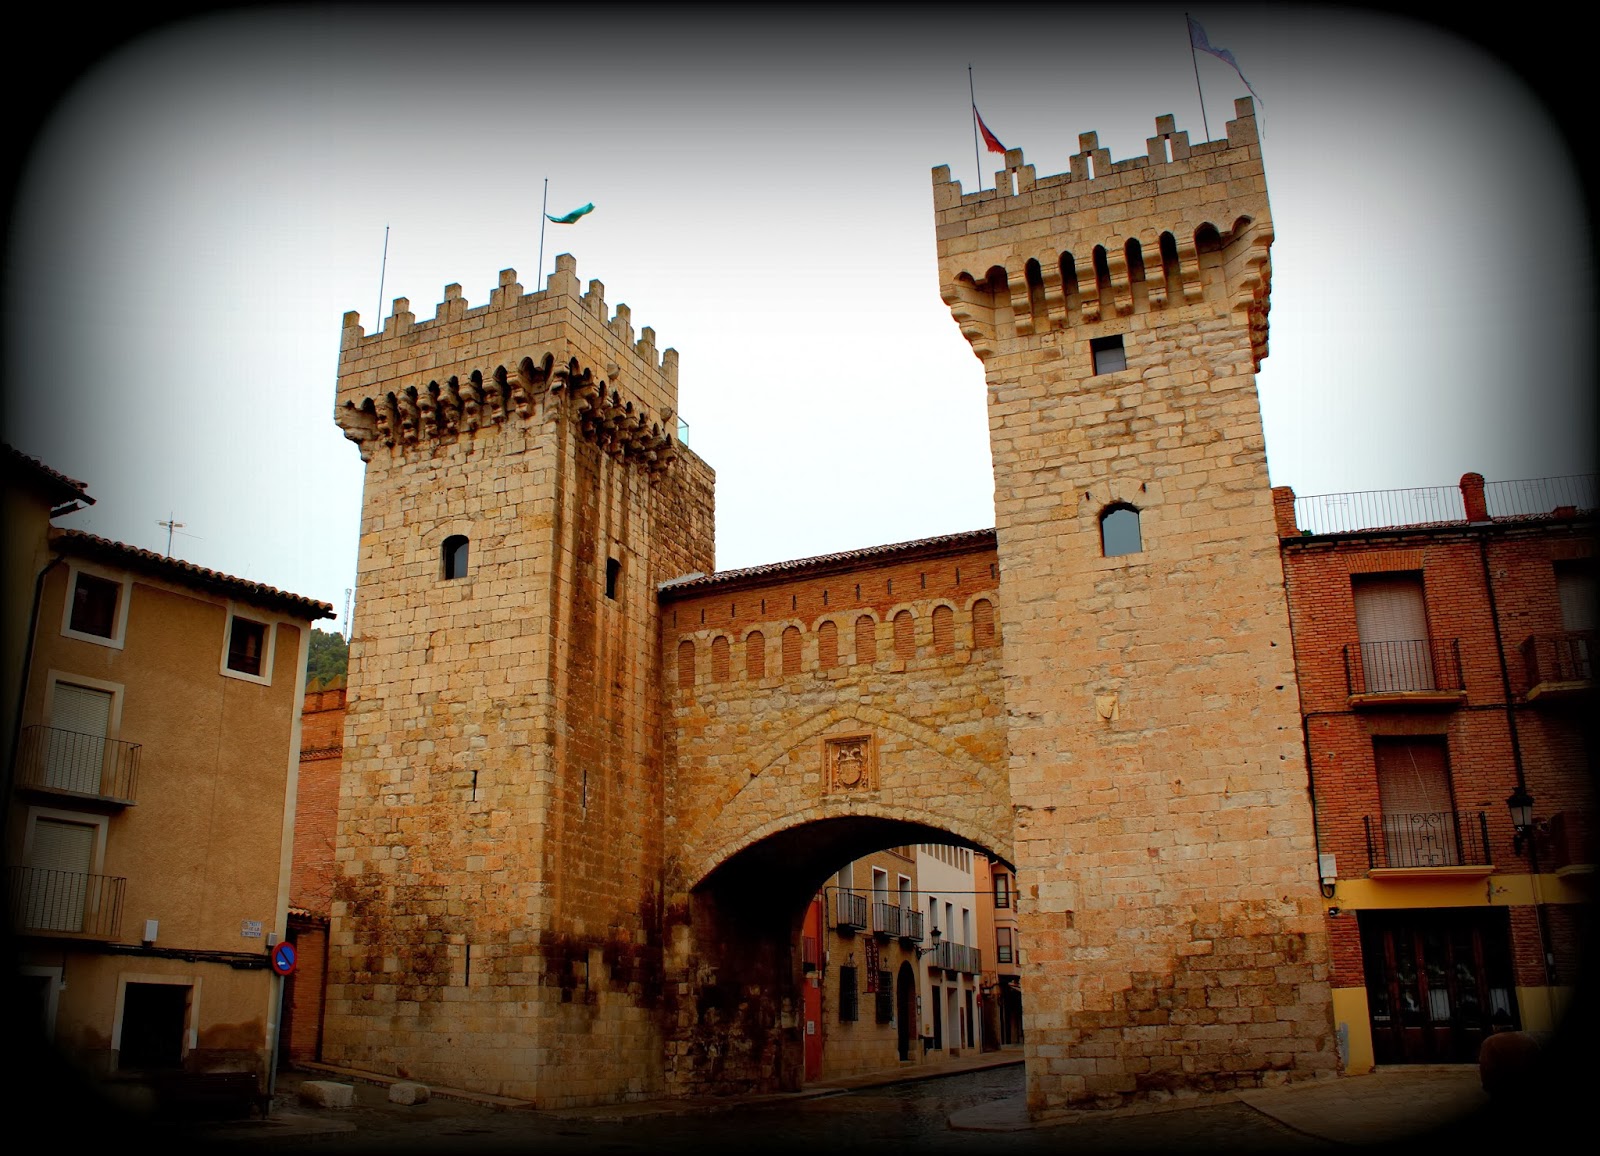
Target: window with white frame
x: 248, y: 650
x: 96, y: 607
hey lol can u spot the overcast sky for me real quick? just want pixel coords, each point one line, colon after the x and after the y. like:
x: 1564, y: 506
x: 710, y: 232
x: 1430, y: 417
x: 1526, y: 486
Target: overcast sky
x: 208, y: 201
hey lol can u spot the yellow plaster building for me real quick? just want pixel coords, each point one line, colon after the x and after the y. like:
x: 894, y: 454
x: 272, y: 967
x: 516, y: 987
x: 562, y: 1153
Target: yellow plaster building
x: 150, y: 806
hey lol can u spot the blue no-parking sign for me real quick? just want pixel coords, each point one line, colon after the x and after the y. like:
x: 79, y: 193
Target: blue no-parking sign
x: 283, y: 958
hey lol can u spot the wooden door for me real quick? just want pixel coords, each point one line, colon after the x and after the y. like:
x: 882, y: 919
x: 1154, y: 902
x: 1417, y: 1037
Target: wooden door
x: 1439, y: 982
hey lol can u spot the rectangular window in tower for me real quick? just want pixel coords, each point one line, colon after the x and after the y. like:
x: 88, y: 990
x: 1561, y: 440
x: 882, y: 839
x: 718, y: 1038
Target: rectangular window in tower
x: 613, y: 577
x: 1109, y: 356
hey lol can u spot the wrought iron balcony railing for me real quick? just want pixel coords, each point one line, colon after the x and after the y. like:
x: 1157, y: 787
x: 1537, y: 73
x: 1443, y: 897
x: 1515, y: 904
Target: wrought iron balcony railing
x: 1421, y: 664
x: 849, y: 909
x: 911, y: 925
x: 1572, y: 841
x: 52, y: 759
x: 1427, y: 839
x: 44, y: 900
x: 1567, y: 656
x: 957, y: 957
x: 886, y: 918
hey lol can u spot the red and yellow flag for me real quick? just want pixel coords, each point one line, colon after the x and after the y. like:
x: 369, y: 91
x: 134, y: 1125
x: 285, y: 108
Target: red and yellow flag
x: 989, y: 139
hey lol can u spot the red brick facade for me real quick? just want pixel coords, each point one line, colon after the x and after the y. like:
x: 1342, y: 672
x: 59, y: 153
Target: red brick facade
x: 1489, y: 692
x: 317, y: 805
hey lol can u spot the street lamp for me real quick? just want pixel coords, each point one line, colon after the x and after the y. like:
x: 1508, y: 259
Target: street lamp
x: 1521, y: 804
x: 934, y: 946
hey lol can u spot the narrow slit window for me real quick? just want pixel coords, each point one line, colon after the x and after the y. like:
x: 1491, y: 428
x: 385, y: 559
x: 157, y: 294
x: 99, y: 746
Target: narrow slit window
x: 1119, y: 531
x: 1109, y: 356
x: 453, y: 555
x: 613, y: 576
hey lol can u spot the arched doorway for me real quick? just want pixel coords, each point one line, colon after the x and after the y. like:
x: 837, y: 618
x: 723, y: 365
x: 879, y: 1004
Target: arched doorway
x: 905, y: 1008
x: 735, y: 1001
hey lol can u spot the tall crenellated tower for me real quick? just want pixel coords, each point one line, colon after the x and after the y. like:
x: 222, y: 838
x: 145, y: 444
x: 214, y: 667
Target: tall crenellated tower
x: 1163, y: 823
x: 496, y: 908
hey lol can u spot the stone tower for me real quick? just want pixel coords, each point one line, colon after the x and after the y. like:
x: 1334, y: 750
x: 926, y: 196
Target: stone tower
x: 499, y: 854
x: 1173, y: 938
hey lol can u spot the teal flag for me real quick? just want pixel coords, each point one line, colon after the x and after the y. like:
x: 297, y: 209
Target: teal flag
x: 569, y: 218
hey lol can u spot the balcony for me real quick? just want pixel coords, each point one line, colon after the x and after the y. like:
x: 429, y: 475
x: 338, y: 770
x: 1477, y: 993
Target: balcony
x: 887, y: 918
x: 911, y: 925
x: 1572, y: 848
x: 957, y: 957
x: 1559, y: 666
x: 84, y: 767
x: 1428, y: 844
x: 49, y: 902
x: 849, y: 910
x: 1410, y: 673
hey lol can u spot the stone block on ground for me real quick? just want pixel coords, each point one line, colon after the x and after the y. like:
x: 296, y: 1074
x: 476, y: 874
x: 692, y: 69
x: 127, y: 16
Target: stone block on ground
x: 406, y: 1092
x: 327, y: 1094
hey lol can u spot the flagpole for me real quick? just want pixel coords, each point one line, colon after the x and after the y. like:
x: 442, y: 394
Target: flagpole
x: 383, y: 271
x: 1194, y: 60
x: 977, y: 157
x: 538, y: 282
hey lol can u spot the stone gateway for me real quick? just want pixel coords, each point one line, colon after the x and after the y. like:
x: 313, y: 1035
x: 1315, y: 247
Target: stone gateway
x: 591, y: 785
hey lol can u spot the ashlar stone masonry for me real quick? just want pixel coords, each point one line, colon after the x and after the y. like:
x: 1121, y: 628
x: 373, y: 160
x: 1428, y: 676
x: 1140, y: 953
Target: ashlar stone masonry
x: 591, y: 785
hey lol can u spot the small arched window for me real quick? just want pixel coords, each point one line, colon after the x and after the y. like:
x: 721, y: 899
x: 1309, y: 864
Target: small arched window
x: 453, y: 557
x: 1119, y: 531
x: 944, y: 630
x: 686, y: 663
x: 866, y: 640
x: 905, y: 640
x: 827, y: 645
x: 791, y: 650
x: 719, y: 659
x: 982, y: 624
x: 755, y: 655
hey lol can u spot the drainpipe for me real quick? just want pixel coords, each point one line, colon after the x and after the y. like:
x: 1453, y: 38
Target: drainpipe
x: 22, y: 690
x: 1478, y: 515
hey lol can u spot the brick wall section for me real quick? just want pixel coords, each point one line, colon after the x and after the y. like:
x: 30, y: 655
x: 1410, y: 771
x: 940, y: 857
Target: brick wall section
x: 1520, y: 558
x: 936, y: 719
x: 1164, y: 836
x: 303, y: 1019
x: 316, y: 812
x: 749, y: 760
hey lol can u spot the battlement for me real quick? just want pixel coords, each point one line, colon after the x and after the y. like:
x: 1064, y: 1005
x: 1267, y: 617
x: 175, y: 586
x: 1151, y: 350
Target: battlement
x: 460, y: 338
x: 1183, y: 225
x: 474, y: 368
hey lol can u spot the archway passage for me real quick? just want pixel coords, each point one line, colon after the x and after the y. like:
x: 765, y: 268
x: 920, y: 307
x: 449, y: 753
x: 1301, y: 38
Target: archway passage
x: 735, y: 981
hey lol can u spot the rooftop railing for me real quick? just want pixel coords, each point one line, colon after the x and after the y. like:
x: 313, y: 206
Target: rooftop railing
x: 1473, y: 500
